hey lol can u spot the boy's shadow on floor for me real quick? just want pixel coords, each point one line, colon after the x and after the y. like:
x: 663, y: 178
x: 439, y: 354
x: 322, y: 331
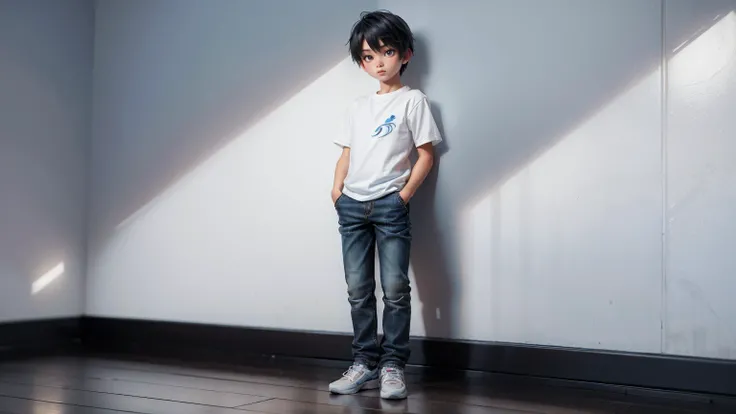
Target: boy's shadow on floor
x: 433, y: 285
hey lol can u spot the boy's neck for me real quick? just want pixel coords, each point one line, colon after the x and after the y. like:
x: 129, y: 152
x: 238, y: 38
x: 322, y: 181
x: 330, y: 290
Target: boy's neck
x: 390, y: 86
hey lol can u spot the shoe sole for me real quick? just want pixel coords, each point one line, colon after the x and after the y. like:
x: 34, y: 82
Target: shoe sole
x: 394, y: 396
x: 368, y: 385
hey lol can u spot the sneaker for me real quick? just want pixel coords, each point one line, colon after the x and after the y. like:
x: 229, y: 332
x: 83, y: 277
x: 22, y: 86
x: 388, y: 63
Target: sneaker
x: 393, y: 386
x: 356, y: 378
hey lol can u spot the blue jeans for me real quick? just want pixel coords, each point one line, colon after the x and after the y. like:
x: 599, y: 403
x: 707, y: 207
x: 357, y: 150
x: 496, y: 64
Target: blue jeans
x: 383, y: 223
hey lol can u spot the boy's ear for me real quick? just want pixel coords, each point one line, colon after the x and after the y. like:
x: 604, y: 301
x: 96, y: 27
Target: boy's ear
x: 407, y: 56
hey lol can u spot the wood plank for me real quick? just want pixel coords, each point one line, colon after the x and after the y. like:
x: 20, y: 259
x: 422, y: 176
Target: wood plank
x: 135, y: 389
x: 107, y: 401
x: 278, y: 406
x: 298, y: 407
x: 21, y: 406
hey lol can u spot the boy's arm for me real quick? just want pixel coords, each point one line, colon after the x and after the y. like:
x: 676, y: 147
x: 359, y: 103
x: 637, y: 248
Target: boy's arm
x: 341, y: 171
x: 419, y: 172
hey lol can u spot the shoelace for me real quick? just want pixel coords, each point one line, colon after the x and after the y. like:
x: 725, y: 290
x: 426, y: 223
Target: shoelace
x: 353, y: 372
x: 393, y: 376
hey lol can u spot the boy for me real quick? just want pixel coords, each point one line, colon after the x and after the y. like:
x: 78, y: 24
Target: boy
x: 374, y: 181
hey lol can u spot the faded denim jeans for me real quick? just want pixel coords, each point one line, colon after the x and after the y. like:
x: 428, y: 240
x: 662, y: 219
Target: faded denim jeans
x: 364, y: 226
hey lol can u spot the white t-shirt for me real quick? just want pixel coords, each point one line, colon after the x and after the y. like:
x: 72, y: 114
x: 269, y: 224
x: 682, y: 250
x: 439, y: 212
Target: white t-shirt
x: 381, y: 131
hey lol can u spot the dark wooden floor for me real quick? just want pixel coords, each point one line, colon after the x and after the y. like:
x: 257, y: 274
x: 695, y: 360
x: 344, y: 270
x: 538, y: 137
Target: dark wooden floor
x: 97, y: 385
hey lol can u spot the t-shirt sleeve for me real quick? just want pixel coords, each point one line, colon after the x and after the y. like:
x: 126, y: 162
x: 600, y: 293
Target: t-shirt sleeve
x: 344, y: 134
x: 422, y: 125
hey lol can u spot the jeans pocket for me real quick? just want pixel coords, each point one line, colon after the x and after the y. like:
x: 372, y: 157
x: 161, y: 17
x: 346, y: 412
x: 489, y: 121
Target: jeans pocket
x: 401, y: 201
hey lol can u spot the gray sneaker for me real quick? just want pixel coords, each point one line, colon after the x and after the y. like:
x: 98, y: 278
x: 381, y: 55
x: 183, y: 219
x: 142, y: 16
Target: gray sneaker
x: 356, y: 378
x: 393, y: 386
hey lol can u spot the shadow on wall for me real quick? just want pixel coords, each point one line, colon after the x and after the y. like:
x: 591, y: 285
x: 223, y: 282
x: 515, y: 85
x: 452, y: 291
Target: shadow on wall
x: 433, y: 285
x: 539, y: 97
x: 177, y: 81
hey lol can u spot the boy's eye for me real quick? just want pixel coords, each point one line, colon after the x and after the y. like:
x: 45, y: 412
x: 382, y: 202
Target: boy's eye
x: 390, y: 52
x: 367, y: 58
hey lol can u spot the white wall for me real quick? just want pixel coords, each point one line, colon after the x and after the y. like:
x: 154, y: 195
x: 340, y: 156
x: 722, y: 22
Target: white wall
x: 700, y: 314
x: 45, y: 91
x: 543, y: 223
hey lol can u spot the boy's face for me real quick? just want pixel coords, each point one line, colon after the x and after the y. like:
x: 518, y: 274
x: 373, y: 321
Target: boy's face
x: 385, y: 64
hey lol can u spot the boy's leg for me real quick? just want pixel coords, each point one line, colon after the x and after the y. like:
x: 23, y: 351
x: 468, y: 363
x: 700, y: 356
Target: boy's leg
x: 358, y: 249
x: 393, y: 235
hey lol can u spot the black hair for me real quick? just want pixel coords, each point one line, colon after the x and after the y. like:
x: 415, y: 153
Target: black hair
x: 378, y: 26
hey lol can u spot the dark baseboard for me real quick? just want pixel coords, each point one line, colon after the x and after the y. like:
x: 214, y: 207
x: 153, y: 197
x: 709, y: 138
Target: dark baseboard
x: 231, y: 345
x: 29, y: 338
